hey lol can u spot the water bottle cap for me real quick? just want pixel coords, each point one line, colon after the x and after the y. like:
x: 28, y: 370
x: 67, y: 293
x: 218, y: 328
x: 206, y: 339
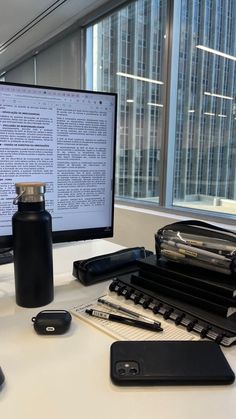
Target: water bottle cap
x: 30, y: 192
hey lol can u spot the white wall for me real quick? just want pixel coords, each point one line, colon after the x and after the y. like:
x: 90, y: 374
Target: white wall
x: 137, y: 227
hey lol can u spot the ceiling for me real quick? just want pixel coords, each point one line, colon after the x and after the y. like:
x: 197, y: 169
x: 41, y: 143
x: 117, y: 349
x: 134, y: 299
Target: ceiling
x: 25, y: 24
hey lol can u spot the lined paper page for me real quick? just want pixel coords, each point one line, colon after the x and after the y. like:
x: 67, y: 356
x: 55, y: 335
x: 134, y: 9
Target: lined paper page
x: 125, y: 332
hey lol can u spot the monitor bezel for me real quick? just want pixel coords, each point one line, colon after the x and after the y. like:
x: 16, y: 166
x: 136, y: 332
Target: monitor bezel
x: 63, y: 236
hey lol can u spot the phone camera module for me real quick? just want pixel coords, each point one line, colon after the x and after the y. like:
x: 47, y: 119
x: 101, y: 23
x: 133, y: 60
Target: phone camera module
x: 133, y: 371
x: 127, y: 368
x: 121, y: 371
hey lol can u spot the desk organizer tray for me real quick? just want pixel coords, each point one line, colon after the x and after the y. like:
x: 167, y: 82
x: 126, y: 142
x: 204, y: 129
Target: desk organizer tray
x: 207, y: 324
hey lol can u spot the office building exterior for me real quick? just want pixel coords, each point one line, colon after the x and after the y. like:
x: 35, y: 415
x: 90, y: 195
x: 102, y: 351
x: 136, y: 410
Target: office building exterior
x: 130, y: 49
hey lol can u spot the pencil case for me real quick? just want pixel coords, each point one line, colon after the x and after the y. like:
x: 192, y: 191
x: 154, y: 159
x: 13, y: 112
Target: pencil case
x: 199, y: 244
x: 100, y: 268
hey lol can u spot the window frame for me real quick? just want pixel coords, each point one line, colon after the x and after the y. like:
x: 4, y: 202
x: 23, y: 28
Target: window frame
x: 165, y: 205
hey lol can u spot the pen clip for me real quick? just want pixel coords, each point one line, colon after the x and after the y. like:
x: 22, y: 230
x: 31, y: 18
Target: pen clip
x: 131, y: 313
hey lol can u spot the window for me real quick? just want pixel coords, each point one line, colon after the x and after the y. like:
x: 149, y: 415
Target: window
x: 200, y: 169
x: 138, y: 77
x: 206, y: 148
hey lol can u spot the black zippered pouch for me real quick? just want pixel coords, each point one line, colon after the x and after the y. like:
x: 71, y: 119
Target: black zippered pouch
x: 198, y: 244
x: 103, y: 267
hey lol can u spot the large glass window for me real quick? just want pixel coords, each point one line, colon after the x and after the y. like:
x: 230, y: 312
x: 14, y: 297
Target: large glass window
x: 205, y: 140
x: 128, y: 58
x: 128, y: 50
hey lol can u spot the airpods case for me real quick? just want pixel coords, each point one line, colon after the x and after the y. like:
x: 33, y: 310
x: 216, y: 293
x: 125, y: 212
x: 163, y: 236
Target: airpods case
x: 52, y: 322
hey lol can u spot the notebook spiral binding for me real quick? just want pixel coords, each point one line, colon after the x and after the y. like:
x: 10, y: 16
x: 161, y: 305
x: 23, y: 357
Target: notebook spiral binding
x: 157, y: 306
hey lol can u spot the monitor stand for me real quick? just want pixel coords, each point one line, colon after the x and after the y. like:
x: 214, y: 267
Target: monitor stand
x: 6, y: 256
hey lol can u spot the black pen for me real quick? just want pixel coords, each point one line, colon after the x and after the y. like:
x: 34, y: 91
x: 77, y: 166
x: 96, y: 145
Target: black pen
x: 126, y: 320
x: 128, y: 311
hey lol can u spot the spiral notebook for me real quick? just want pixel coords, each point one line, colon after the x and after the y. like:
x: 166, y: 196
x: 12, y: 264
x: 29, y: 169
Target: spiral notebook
x: 205, y: 323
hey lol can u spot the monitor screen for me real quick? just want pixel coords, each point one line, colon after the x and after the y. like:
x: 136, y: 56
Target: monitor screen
x: 65, y: 138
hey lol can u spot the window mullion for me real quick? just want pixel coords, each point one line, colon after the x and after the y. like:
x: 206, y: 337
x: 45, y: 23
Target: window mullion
x: 171, y: 66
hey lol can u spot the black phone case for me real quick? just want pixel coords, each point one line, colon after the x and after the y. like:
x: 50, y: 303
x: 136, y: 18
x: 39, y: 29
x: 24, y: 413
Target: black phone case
x: 140, y: 363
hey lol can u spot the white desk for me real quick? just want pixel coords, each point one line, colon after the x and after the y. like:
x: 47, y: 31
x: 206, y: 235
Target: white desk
x: 67, y: 376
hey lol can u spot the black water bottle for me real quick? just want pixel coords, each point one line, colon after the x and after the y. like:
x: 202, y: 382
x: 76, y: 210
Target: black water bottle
x: 32, y: 246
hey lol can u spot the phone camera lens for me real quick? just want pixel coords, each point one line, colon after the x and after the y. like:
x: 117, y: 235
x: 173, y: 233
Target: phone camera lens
x: 121, y: 371
x: 133, y: 371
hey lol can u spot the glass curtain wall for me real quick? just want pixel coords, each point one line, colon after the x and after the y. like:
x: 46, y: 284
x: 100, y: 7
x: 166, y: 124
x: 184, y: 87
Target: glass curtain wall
x: 128, y: 58
x: 205, y: 141
x: 128, y: 53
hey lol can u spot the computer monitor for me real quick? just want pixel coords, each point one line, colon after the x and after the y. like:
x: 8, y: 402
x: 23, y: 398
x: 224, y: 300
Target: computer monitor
x: 65, y: 138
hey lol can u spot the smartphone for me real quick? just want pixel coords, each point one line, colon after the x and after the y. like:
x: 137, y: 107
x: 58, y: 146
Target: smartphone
x: 140, y: 363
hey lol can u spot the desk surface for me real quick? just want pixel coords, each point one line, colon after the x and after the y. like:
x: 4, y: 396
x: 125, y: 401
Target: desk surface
x: 67, y: 376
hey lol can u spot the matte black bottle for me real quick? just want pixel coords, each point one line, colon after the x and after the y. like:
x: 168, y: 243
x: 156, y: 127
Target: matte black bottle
x: 32, y: 247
